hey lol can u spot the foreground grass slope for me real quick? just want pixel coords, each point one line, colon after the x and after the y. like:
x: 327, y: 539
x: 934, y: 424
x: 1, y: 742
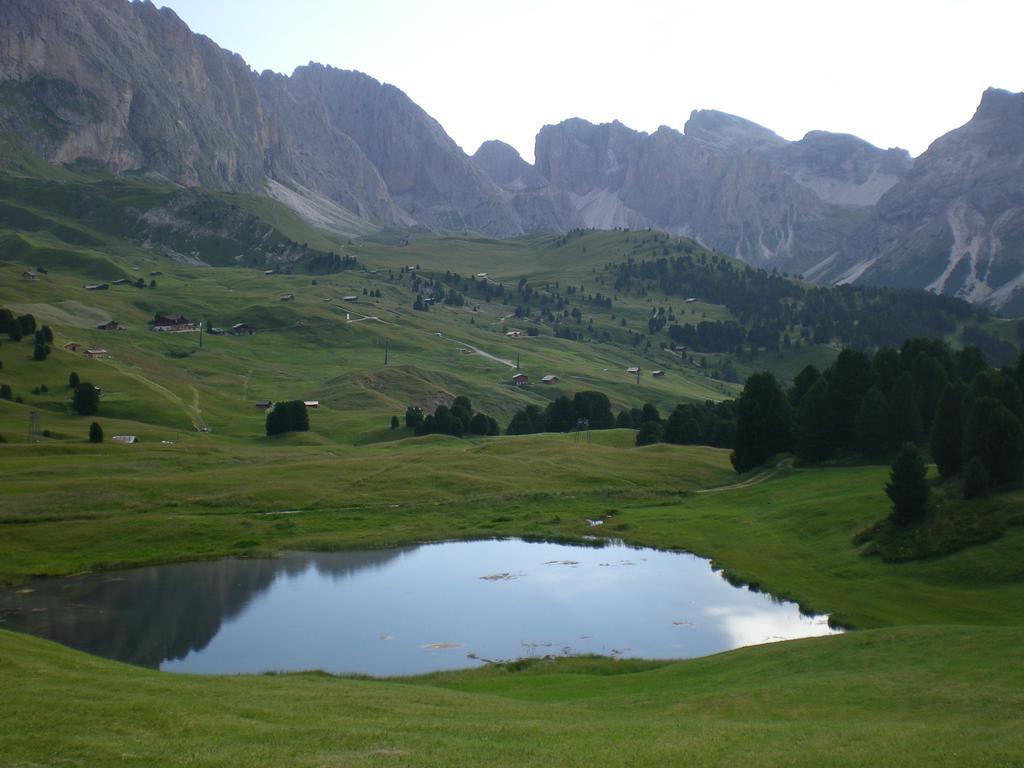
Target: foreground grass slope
x: 909, y: 696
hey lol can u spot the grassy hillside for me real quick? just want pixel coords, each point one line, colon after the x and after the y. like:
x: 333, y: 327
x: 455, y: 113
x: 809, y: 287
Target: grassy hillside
x: 910, y: 696
x: 932, y: 675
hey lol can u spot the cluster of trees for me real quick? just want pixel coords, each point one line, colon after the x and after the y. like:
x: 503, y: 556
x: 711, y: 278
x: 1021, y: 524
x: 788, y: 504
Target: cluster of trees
x: 321, y: 263
x: 564, y: 414
x: 44, y: 338
x: 771, y: 308
x: 288, y: 416
x: 17, y: 326
x: 458, y: 420
x: 707, y: 423
x: 709, y: 336
x: 924, y: 394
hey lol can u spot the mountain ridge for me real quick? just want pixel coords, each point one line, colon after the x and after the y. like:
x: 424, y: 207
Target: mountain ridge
x: 130, y: 88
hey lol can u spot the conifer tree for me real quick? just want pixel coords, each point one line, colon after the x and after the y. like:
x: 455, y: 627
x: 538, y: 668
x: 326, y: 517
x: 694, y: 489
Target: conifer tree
x: 904, y: 416
x: 813, y: 424
x: 999, y: 444
x: 763, y: 422
x: 948, y: 431
x: 907, y: 488
x: 873, y: 424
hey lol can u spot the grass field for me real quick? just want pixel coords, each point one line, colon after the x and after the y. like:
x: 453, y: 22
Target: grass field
x: 931, y: 676
x: 910, y: 696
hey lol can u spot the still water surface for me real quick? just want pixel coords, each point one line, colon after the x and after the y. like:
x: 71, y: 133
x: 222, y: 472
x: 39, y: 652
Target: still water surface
x: 404, y: 611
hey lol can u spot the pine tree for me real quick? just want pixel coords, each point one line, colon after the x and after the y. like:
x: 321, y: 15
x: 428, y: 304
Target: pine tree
x: 948, y: 431
x: 930, y: 380
x: 395, y: 423
x: 849, y: 379
x: 1000, y: 446
x: 907, y: 488
x: 873, y: 424
x: 813, y: 424
x: 86, y: 400
x: 904, y: 416
x: 763, y: 422
x: 95, y: 433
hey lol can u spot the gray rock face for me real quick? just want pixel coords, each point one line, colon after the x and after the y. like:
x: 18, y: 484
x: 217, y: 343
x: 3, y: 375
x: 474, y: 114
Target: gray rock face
x: 726, y: 181
x: 538, y: 205
x: 130, y: 87
x: 955, y: 224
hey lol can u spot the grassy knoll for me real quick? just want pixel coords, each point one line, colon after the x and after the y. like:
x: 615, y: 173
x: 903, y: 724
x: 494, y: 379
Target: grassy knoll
x: 911, y: 696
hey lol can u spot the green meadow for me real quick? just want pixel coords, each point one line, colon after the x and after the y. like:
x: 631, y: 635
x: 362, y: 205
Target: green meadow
x: 931, y: 671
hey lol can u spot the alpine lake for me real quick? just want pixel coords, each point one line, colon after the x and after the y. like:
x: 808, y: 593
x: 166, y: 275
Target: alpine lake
x: 405, y: 611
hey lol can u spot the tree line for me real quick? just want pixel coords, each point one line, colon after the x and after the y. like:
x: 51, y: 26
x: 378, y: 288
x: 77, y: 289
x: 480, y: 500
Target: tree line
x: 458, y: 420
x: 770, y: 308
x: 967, y: 415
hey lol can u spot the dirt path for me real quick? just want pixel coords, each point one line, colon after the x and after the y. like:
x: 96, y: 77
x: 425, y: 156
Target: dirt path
x: 760, y: 477
x: 478, y: 351
x: 132, y: 372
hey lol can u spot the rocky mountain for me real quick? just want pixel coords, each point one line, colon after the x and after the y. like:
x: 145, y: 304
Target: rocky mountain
x: 955, y: 223
x: 538, y: 204
x: 128, y: 87
x: 725, y: 181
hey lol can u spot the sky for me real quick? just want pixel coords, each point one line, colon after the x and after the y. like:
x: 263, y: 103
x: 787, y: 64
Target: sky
x: 896, y: 73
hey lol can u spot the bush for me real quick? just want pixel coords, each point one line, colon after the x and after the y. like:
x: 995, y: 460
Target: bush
x: 976, y: 481
x: 394, y: 422
x: 95, y: 433
x: 5, y: 392
x: 73, y: 380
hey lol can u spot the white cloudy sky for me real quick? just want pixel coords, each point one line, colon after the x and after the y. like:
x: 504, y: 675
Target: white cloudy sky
x: 897, y: 73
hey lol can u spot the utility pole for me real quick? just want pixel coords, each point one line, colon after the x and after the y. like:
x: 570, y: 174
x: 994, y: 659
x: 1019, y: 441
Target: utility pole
x: 386, y: 342
x: 201, y: 324
x: 517, y: 361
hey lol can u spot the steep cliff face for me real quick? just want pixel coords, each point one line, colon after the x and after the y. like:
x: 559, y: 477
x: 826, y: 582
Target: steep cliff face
x: 537, y: 204
x: 129, y: 87
x: 726, y: 181
x: 955, y: 225
x: 426, y: 173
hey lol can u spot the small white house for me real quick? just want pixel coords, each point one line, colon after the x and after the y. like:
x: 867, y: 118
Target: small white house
x: 126, y: 439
